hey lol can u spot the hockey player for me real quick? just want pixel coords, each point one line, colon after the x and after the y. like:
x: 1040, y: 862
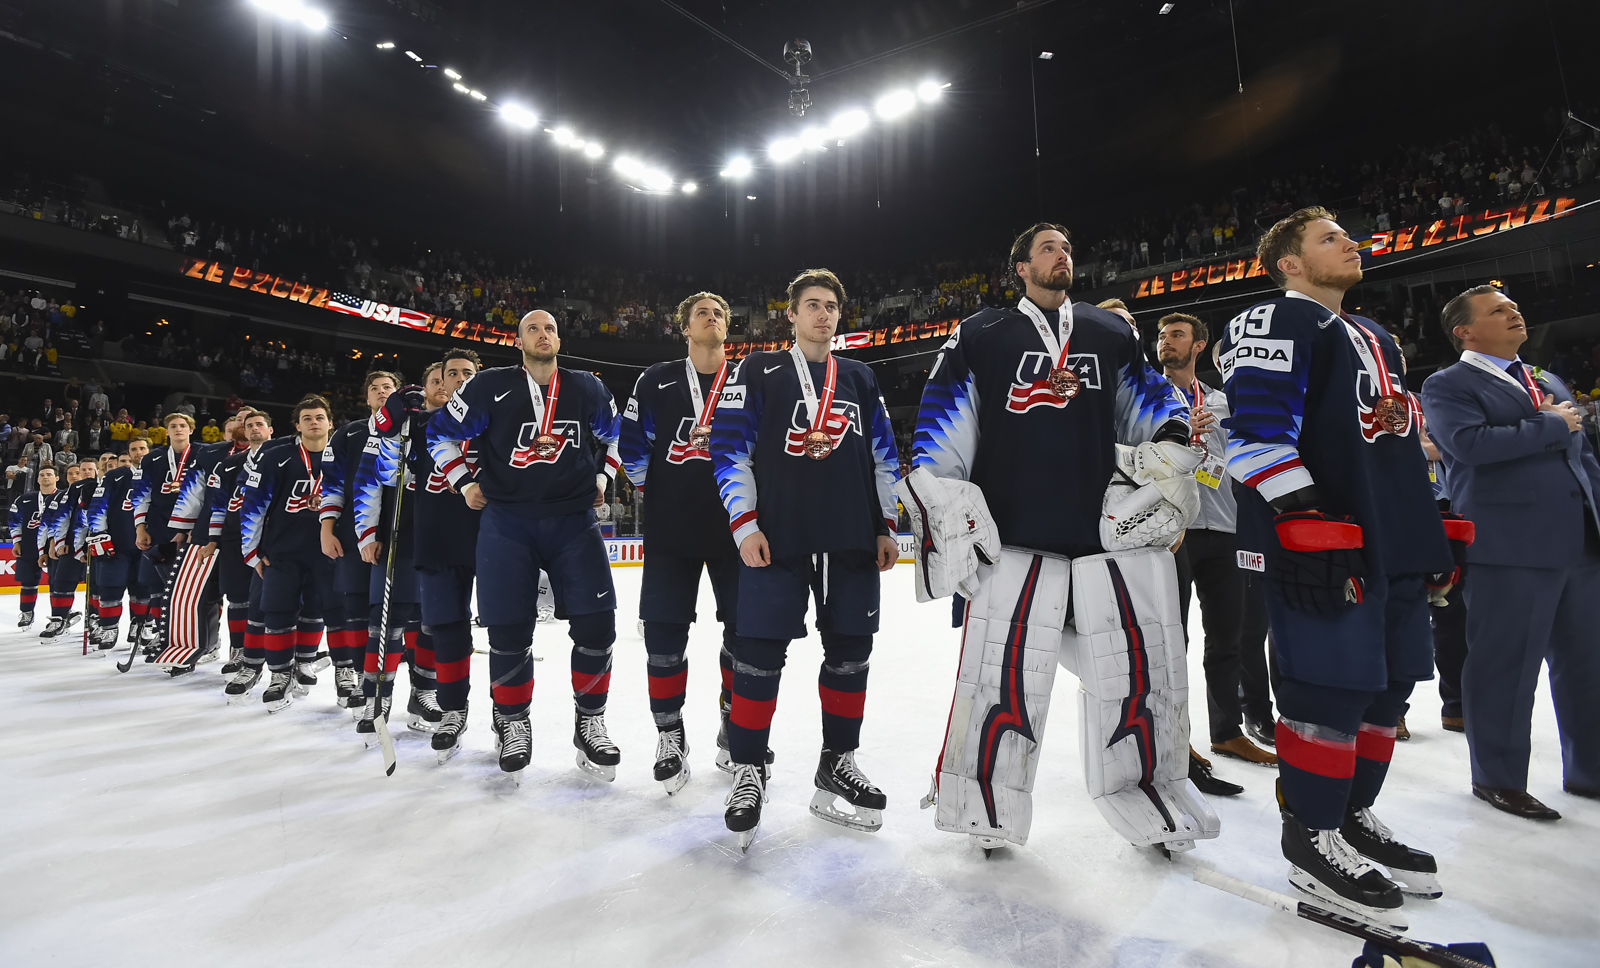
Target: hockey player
x: 246, y: 431
x: 805, y: 461
x: 246, y: 468
x: 666, y: 435
x: 537, y: 482
x: 1337, y: 515
x: 165, y: 474
x: 138, y: 591
x: 1059, y: 394
x: 348, y: 618
x: 281, y: 541
x: 112, y: 542
x: 66, y: 570
x: 27, y: 514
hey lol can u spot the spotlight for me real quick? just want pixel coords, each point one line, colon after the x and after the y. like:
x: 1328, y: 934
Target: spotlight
x: 689, y: 188
x: 656, y: 181
x: 930, y: 90
x: 783, y: 149
x: 577, y: 144
x: 460, y: 87
x: 451, y: 73
x: 564, y: 136
x: 1047, y: 55
x: 627, y: 166
x: 593, y: 150
x: 750, y: 198
x: 895, y: 103
x: 1166, y: 8
x: 737, y: 168
x: 315, y: 19
x: 413, y: 56
x: 812, y: 137
x: 478, y: 95
x: 386, y: 45
x: 520, y: 116
x: 849, y: 123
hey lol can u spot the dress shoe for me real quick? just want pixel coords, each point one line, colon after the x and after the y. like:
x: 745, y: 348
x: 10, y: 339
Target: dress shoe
x: 1400, y: 731
x: 1265, y: 734
x: 1208, y: 783
x: 1241, y: 748
x: 1454, y: 724
x: 1581, y: 791
x: 1518, y: 803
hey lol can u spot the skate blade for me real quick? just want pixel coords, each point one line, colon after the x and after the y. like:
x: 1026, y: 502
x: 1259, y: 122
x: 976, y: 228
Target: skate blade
x: 369, y: 740
x: 300, y: 692
x: 677, y: 781
x: 420, y: 725
x: 322, y: 663
x: 725, y: 761
x: 746, y: 838
x: 240, y: 699
x: 606, y: 773
x: 988, y: 844
x: 280, y: 705
x: 1416, y: 883
x: 1388, y: 918
x: 445, y: 756
x: 823, y: 807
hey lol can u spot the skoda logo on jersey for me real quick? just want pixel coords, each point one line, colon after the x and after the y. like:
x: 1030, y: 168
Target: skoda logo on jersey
x: 299, y: 497
x: 1031, y: 386
x: 680, y: 452
x: 565, y: 431
x: 846, y: 417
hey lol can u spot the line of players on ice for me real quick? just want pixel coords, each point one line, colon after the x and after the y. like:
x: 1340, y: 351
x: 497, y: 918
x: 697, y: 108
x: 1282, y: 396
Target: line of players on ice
x: 778, y: 476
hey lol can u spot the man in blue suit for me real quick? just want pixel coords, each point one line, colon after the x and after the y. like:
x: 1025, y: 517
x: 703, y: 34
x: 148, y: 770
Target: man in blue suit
x: 1521, y: 471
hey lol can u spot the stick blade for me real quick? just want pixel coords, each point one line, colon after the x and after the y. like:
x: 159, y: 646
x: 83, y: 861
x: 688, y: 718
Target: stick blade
x: 386, y: 741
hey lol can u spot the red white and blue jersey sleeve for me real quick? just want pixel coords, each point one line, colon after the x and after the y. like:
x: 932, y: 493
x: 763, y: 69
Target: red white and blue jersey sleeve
x: 256, y: 489
x: 464, y: 417
x: 1146, y: 400
x: 733, y: 448
x: 335, y: 489
x: 191, y: 502
x: 1266, y: 365
x: 638, y: 434
x: 946, y: 441
x: 217, y: 498
x: 19, y: 517
x: 886, y: 460
x: 379, y: 468
x: 606, y: 425
x: 139, y: 497
x: 53, y: 522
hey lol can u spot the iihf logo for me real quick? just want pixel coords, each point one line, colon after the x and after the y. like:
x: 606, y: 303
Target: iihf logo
x: 565, y: 431
x: 846, y: 417
x: 1031, y: 386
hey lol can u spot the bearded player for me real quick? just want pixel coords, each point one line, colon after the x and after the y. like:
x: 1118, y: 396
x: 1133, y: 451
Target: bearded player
x: 1336, y: 513
x: 1057, y: 394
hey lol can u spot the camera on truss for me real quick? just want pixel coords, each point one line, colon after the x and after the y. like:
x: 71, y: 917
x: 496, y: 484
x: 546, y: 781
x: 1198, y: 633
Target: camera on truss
x: 798, y: 53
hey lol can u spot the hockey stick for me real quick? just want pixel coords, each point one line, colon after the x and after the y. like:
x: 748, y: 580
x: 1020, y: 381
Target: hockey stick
x: 1436, y: 954
x: 88, y: 593
x: 379, y: 721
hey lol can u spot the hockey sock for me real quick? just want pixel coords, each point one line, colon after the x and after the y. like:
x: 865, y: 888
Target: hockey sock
x: 60, y: 605
x: 667, y: 669
x: 730, y: 641
x: 1316, y: 746
x: 757, y: 669
x: 27, y: 597
x: 111, y: 615
x: 842, y: 684
x: 255, y: 641
x: 511, y: 668
x: 453, y: 663
x: 424, y: 663
x: 138, y: 609
x: 307, y: 637
x: 392, y: 655
x: 592, y: 636
x: 1375, y: 743
x: 237, y: 615
x: 279, y: 646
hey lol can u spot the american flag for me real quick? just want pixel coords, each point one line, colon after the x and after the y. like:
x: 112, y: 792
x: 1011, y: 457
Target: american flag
x: 343, y: 303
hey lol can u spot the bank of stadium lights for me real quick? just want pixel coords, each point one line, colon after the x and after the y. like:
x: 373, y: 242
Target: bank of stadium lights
x: 386, y: 45
x: 519, y: 116
x: 642, y: 176
x: 846, y: 124
x: 452, y: 73
x: 689, y: 188
x: 737, y: 168
x: 313, y: 18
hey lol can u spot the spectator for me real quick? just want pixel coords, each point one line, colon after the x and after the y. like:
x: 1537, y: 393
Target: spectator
x: 210, y: 433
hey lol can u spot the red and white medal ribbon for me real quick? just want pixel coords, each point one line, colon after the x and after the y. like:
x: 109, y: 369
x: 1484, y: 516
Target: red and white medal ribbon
x: 545, y: 445
x: 1198, y: 439
x: 817, y: 410
x: 1058, y: 345
x: 172, y: 486
x: 315, y: 497
x: 1386, y: 394
x: 704, y: 408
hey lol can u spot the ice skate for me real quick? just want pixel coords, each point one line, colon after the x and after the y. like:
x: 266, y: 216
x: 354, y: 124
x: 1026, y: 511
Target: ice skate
x: 72, y: 618
x: 367, y: 725
x: 597, y: 755
x: 305, y: 677
x: 1413, y: 870
x: 319, y: 661
x: 422, y: 711
x: 149, y: 635
x: 724, y: 758
x: 672, y: 758
x: 279, y: 692
x: 988, y: 844
x: 24, y: 619
x: 55, y: 627
x: 243, y: 682
x: 235, y: 661
x: 838, y: 778
x: 346, y: 683
x: 1324, y: 866
x: 447, y: 738
x: 209, y: 655
x: 744, y: 802
x: 513, y: 738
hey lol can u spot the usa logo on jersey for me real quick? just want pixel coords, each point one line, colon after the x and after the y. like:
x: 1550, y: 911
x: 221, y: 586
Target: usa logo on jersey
x: 680, y: 451
x: 1031, y: 386
x: 846, y: 416
x: 564, y: 431
x: 303, y: 495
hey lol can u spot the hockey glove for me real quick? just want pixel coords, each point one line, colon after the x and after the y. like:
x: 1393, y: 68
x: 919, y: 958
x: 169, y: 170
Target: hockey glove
x: 1460, y: 533
x: 1319, y: 568
x: 954, y: 533
x: 404, y: 403
x: 1152, y: 496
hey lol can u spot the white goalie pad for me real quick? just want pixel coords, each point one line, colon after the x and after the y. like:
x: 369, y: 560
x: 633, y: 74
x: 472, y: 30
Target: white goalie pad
x: 984, y: 781
x: 1126, y: 645
x: 954, y: 532
x: 190, y: 625
x: 1152, y: 496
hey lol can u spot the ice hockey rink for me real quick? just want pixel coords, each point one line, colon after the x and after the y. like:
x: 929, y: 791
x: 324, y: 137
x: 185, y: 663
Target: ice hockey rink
x: 150, y: 824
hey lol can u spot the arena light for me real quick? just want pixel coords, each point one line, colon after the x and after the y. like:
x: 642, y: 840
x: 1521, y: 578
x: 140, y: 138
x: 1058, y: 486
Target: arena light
x: 478, y: 95
x: 593, y: 150
x: 895, y: 103
x: 564, y: 136
x: 315, y: 19
x: 929, y: 91
x: 783, y: 149
x: 689, y: 188
x: 460, y: 87
x: 656, y: 181
x: 451, y: 73
x: 813, y: 137
x: 413, y: 56
x: 519, y: 116
x: 737, y: 168
x: 750, y: 198
x: 1166, y: 8
x: 386, y: 45
x: 1047, y: 55
x: 848, y: 123
x: 628, y: 166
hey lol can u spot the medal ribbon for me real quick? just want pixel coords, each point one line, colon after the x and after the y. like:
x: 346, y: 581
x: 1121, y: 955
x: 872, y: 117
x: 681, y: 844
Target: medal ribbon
x: 316, y: 479
x: 817, y: 411
x: 705, y: 408
x: 1198, y: 439
x: 1058, y: 348
x: 177, y: 472
x: 1371, y: 357
x: 543, y: 416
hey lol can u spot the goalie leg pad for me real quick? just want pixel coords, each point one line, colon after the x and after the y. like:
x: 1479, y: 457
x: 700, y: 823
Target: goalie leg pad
x: 1127, y: 646
x: 997, y: 719
x: 189, y: 623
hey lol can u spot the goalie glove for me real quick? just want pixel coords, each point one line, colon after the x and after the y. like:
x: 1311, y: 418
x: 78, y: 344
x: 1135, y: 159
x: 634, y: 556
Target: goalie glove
x: 954, y: 532
x: 1152, y: 496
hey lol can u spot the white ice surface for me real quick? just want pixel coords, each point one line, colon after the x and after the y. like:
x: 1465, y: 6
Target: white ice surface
x: 148, y: 823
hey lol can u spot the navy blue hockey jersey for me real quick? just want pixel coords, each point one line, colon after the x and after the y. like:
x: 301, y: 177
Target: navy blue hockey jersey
x: 347, y: 445
x: 281, y: 502
x: 496, y: 408
x: 768, y: 484
x: 440, y: 520
x: 27, y: 516
x: 1301, y: 399
x: 656, y: 450
x: 169, y: 492
x: 989, y: 417
x: 108, y: 512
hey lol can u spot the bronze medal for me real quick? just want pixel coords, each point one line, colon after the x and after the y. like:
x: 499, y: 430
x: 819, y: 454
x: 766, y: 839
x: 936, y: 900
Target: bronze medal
x: 1065, y: 383
x: 546, y: 446
x: 700, y: 437
x: 818, y: 445
x: 1394, y: 413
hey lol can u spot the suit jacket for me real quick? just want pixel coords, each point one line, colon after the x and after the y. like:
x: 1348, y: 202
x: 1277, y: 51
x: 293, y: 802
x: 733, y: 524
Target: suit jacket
x: 1524, y: 479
